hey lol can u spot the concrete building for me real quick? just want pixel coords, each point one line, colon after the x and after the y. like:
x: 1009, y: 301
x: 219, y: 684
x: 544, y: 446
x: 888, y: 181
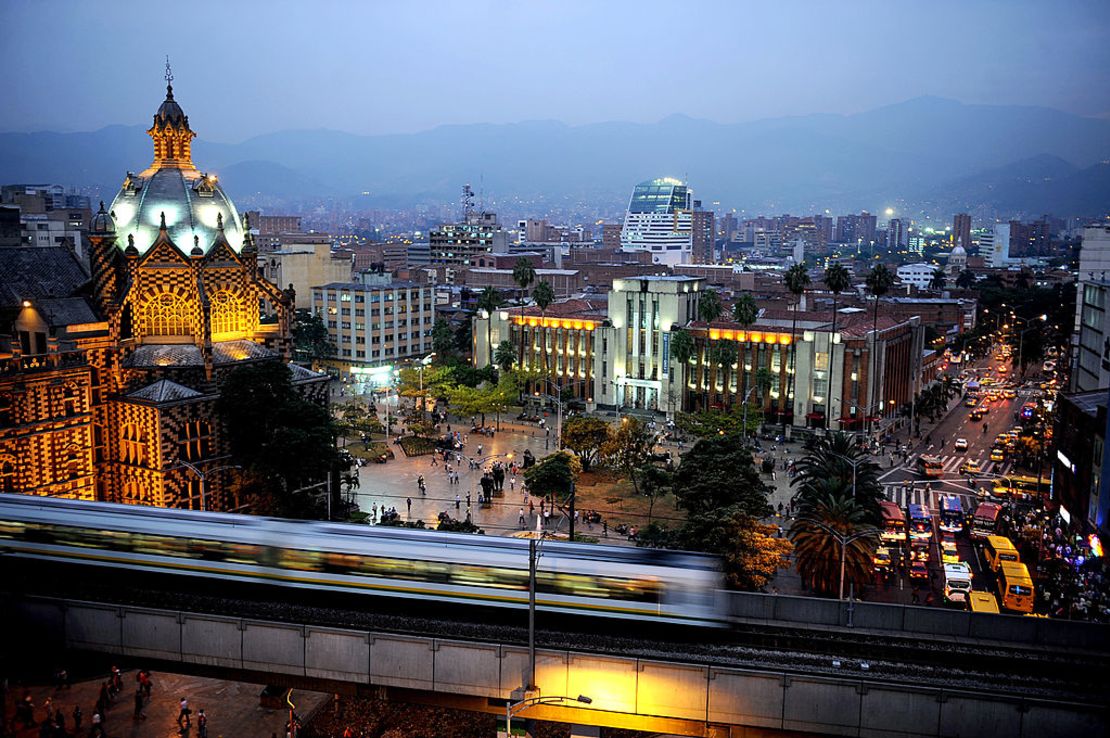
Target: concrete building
x: 994, y: 246
x: 659, y: 220
x: 961, y: 230
x: 918, y: 275
x: 1079, y: 432
x: 461, y: 243
x: 897, y: 236
x: 611, y: 235
x: 565, y: 282
x: 302, y: 267
x: 705, y: 235
x: 619, y: 351
x: 376, y: 323
x: 42, y: 230
x: 1091, y: 369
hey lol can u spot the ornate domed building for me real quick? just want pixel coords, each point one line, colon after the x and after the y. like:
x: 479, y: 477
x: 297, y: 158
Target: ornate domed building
x: 171, y: 302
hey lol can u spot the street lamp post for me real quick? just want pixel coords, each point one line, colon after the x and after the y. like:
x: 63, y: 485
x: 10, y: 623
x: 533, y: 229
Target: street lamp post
x: 423, y: 401
x: 203, y: 477
x: 844, y: 540
x: 511, y: 708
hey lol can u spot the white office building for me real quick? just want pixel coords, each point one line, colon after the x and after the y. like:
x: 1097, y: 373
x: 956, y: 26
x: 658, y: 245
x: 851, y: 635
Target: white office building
x: 660, y: 220
x: 919, y: 275
x: 994, y: 246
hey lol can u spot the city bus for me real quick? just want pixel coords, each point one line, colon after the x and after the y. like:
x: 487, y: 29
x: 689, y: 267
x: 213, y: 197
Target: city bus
x: 1021, y: 485
x: 982, y: 602
x: 921, y: 523
x: 930, y: 466
x: 985, y: 520
x: 999, y: 550
x: 894, y: 521
x: 951, y: 514
x: 1015, y: 588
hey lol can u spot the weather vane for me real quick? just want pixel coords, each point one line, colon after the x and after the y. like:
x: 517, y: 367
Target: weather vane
x: 169, y: 73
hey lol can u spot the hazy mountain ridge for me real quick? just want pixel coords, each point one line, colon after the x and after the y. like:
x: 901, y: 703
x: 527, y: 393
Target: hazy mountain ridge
x: 922, y: 150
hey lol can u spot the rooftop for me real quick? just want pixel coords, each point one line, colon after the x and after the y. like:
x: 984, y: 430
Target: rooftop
x: 360, y: 287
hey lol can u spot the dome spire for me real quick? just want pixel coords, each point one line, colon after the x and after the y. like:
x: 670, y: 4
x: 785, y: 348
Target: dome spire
x: 173, y: 139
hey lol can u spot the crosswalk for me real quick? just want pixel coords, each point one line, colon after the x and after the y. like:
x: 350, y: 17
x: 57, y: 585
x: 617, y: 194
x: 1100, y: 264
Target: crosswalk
x: 905, y: 495
x: 952, y: 463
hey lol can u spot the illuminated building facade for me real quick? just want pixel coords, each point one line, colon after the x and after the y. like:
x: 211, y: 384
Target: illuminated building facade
x: 109, y: 378
x: 617, y: 355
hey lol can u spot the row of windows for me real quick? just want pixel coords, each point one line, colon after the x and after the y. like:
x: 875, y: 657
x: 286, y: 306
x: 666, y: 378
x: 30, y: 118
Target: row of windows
x: 359, y: 297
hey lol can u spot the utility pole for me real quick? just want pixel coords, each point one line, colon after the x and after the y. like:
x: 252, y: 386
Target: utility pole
x: 531, y: 614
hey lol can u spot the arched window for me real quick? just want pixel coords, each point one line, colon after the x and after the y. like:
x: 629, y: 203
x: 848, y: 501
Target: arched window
x: 132, y: 444
x: 226, y: 312
x: 136, y: 493
x: 165, y: 314
x: 71, y: 465
x: 7, y: 475
x: 194, y: 439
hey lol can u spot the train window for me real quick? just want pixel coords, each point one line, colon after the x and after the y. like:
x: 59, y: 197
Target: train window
x: 301, y: 560
x: 12, y: 529
x: 242, y: 553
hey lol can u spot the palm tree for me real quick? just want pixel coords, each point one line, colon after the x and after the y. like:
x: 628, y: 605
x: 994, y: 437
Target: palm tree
x: 745, y: 311
x: 725, y: 355
x: 524, y: 274
x: 839, y: 458
x: 682, y: 350
x: 709, y: 309
x: 939, y: 280
x: 796, y: 280
x: 965, y: 279
x: 837, y: 280
x: 504, y: 356
x: 817, y: 537
x: 879, y: 281
x: 489, y: 300
x: 544, y: 295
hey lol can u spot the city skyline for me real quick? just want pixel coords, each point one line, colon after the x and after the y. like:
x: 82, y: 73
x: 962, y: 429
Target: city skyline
x: 386, y: 69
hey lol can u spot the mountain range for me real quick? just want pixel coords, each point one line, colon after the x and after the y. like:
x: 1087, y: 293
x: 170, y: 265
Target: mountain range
x: 928, y: 153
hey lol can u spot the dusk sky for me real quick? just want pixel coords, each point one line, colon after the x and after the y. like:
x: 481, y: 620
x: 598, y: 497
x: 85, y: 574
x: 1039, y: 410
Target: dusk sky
x: 378, y: 67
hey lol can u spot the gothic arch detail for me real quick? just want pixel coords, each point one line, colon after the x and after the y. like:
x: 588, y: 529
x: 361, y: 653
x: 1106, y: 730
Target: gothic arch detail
x: 226, y: 312
x: 165, y: 314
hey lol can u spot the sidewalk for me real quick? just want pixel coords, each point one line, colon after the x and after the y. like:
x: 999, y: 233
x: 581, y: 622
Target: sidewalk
x: 232, y: 708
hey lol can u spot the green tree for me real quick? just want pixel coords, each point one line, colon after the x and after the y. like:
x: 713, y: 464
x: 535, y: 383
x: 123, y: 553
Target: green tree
x: 282, y: 440
x: 939, y: 280
x: 965, y: 279
x: 712, y: 423
x: 830, y: 461
x: 473, y: 401
x: 709, y: 310
x: 717, y: 474
x: 311, y: 342
x: 879, y: 282
x: 443, y: 340
x: 630, y: 448
x: 817, y: 548
x: 655, y: 482
x: 553, y: 475
x: 745, y: 311
x: 585, y: 437
x: 504, y: 356
x: 420, y: 384
x: 683, y: 347
x: 524, y: 274
x: 796, y: 280
x: 543, y: 295
x: 751, y: 553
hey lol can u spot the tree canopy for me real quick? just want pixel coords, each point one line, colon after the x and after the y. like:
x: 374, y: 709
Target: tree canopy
x: 310, y: 337
x: 585, y: 436
x: 554, y: 474
x: 716, y: 475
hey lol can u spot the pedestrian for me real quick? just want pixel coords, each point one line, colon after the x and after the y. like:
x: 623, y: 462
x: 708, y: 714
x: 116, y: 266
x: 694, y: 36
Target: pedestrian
x: 408, y: 502
x: 202, y: 724
x: 60, y: 722
x: 138, y: 705
x: 458, y: 501
x: 183, y: 713
x: 77, y: 717
x: 521, y: 520
x: 605, y: 528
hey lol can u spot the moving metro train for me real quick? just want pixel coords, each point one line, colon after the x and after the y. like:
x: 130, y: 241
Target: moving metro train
x: 603, y: 581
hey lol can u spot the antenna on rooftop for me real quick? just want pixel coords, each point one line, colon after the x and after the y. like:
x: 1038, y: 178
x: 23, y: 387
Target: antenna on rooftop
x: 467, y: 201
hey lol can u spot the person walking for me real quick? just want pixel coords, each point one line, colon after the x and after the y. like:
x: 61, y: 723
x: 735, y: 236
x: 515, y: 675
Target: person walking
x: 183, y: 713
x: 202, y: 724
x: 408, y: 504
x: 138, y: 705
x: 520, y: 521
x: 77, y: 717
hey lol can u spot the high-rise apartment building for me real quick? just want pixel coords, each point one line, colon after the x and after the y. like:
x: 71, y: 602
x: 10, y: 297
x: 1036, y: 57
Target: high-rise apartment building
x: 994, y: 246
x: 460, y: 244
x: 376, y: 322
x: 858, y: 229
x: 703, y: 223
x: 660, y: 220
x: 961, y: 230
x: 896, y: 235
x: 1092, y: 330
